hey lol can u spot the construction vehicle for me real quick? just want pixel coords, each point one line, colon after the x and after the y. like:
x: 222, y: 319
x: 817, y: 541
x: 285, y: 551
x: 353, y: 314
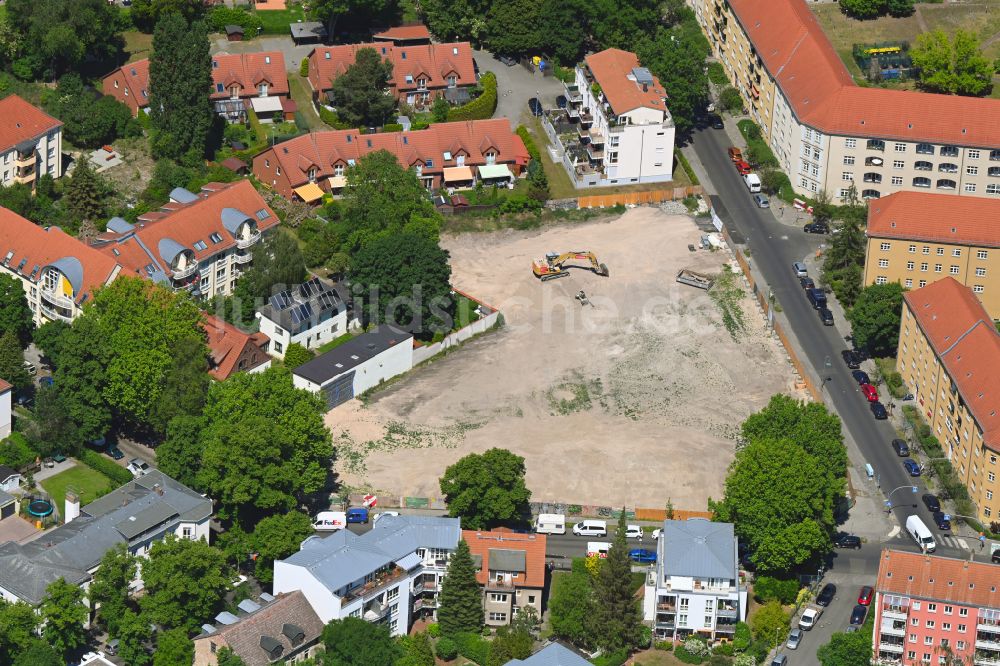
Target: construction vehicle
x: 555, y: 265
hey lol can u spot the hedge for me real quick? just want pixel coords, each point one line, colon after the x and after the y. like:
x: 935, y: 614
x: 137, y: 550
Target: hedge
x: 613, y: 659
x: 483, y: 106
x: 16, y: 452
x: 446, y: 650
x: 766, y: 588
x: 529, y: 142
x: 472, y: 646
x: 97, y: 462
x: 683, y: 161
x: 392, y: 127
x: 687, y: 657
x: 717, y: 74
x: 221, y: 16
x: 304, y: 68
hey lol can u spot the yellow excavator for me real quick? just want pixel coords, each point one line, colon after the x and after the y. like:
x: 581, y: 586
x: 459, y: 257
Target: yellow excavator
x: 556, y: 265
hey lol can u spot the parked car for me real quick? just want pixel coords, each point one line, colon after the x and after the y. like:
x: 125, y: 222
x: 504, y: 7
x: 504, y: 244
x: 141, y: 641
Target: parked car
x: 115, y: 452
x: 858, y: 615
x: 865, y: 595
x: 507, y: 60
x: 800, y: 269
x: 779, y: 660
x: 816, y: 228
x: 931, y: 502
x: 735, y: 154
x: 138, y: 467
x: 807, y: 283
x: 633, y: 532
x: 901, y: 448
x: 535, y: 106
x: 878, y: 409
x: 742, y: 167
x: 851, y: 358
x: 912, y: 468
x: 716, y: 122
x: 794, y: 638
x: 870, y: 392
x: 817, y: 298
x: 357, y: 515
x: 656, y: 534
x: 826, y: 316
x: 761, y: 201
x: 861, y: 377
x: 844, y: 540
x: 942, y: 520
x: 642, y: 555
x: 826, y: 595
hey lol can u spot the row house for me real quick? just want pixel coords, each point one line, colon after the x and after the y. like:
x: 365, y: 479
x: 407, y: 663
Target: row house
x: 30, y: 143
x: 949, y: 357
x: 390, y: 575
x: 831, y: 135
x: 935, y: 610
x: 510, y: 567
x: 457, y: 154
x: 420, y: 73
x: 916, y: 238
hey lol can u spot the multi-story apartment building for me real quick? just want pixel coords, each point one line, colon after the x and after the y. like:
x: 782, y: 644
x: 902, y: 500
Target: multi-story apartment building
x: 511, y: 571
x: 30, y: 143
x: 936, y: 610
x: 389, y: 575
x: 830, y: 134
x: 420, y: 72
x: 694, y: 588
x: 624, y: 132
x: 949, y: 356
x: 915, y: 238
x: 443, y: 155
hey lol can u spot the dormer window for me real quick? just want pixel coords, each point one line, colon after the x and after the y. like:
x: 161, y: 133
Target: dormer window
x: 409, y: 78
x: 338, y: 170
x: 262, y: 89
x: 234, y: 92
x: 116, y: 83
x: 267, y: 60
x: 215, y: 64
x: 491, y: 156
x: 312, y: 174
x: 452, y: 81
x: 422, y: 83
x: 219, y: 88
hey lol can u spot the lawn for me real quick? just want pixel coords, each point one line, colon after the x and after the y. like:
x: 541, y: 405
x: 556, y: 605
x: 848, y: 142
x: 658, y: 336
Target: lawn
x: 300, y: 93
x: 138, y: 45
x: 89, y: 483
x: 465, y: 311
x: 336, y: 342
x: 276, y: 21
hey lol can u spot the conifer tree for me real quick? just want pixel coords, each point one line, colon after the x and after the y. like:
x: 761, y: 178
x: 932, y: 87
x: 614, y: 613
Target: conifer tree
x: 461, y: 602
x: 617, y: 615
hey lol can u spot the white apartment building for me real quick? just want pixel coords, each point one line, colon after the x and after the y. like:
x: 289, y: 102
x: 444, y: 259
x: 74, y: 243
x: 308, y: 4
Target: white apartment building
x: 30, y: 143
x: 310, y: 314
x: 694, y: 587
x: 390, y: 575
x: 624, y: 132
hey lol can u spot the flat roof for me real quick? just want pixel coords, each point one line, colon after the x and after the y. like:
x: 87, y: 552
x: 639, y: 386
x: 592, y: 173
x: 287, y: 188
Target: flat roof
x: 352, y: 353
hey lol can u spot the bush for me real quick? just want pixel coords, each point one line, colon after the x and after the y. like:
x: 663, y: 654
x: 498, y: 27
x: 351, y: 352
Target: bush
x: 529, y: 142
x: 434, y: 629
x: 519, y: 204
x: 483, y: 106
x: 730, y: 100
x: 687, y: 657
x: 613, y: 659
x: 473, y: 647
x: 445, y: 649
x: 304, y: 68
x: 683, y: 161
x: 220, y: 16
x: 719, y: 660
x: 419, y: 125
x: 16, y: 452
x: 741, y: 637
x: 766, y: 588
x: 666, y: 646
x: 717, y: 74
x: 97, y: 462
x: 392, y: 127
x: 725, y: 649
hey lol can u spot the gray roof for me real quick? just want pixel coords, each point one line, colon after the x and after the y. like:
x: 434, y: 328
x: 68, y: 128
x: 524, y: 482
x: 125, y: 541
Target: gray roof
x: 119, y: 225
x: 232, y: 219
x: 698, y: 547
x: 554, y: 654
x: 72, y: 269
x: 324, y: 299
x: 6, y: 472
x: 344, y: 557
x: 504, y: 559
x: 308, y: 30
x: 169, y: 249
x: 182, y: 195
x: 124, y: 515
x: 5, y: 498
x: 352, y: 353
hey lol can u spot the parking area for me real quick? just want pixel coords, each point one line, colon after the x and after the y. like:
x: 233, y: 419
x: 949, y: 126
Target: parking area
x: 516, y: 85
x: 836, y: 617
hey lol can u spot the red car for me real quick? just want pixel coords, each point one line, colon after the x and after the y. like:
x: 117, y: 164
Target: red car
x: 870, y: 392
x: 865, y: 598
x: 742, y: 167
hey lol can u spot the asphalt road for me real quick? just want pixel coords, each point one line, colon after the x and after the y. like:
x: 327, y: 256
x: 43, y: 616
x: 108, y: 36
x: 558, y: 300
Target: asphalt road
x: 774, y: 246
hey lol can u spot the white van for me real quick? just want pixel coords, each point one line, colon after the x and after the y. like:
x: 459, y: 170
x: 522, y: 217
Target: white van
x: 550, y: 523
x: 598, y: 528
x: 920, y: 534
x: 330, y: 521
x: 598, y: 548
x: 752, y: 181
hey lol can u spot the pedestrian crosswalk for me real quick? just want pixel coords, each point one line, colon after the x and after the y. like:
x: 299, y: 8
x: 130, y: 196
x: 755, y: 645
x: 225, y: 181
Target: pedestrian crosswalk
x: 954, y: 542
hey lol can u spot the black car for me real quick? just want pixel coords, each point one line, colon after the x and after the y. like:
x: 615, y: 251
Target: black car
x: 807, y: 283
x: 816, y: 228
x: 535, y: 106
x: 901, y: 448
x: 716, y: 122
x: 826, y: 595
x: 507, y: 60
x: 826, y: 316
x: 931, y: 502
x: 942, y: 521
x: 995, y: 557
x: 851, y: 358
x: 878, y: 409
x: 858, y: 615
x: 817, y: 298
x: 115, y: 452
x: 844, y: 540
x: 861, y: 377
x: 561, y: 101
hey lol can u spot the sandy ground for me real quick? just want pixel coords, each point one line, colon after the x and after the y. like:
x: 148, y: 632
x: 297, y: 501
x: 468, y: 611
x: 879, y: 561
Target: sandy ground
x: 631, y: 401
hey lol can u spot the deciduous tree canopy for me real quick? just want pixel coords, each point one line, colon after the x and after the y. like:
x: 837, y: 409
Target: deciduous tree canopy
x: 875, y: 318
x: 486, y: 490
x: 954, y: 66
x: 185, y: 582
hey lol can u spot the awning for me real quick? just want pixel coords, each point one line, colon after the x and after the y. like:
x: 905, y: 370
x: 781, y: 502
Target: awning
x: 337, y: 182
x: 457, y: 174
x: 408, y: 561
x: 266, y: 104
x: 309, y: 192
x: 492, y: 171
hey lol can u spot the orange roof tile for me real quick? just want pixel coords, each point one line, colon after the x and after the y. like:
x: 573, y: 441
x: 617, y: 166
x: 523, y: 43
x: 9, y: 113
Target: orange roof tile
x: 611, y: 69
x: 249, y: 70
x: 939, y: 578
x: 433, y: 61
x: 798, y: 55
x: 942, y: 218
x: 135, y: 76
x: 405, y: 33
x: 225, y: 345
x: 22, y: 122
x: 533, y: 545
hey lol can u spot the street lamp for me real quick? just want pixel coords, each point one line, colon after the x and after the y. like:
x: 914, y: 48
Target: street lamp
x: 827, y: 364
x: 888, y: 500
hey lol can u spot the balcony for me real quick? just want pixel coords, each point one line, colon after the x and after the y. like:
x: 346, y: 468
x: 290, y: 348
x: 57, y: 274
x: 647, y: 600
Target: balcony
x: 188, y: 271
x: 988, y: 642
x: 573, y: 93
x: 727, y: 611
x: 502, y: 585
x: 25, y: 179
x: 425, y: 586
x: 874, y: 161
x: 56, y: 300
x: 986, y: 660
x: 23, y: 161
x: 57, y: 313
x: 379, y: 583
x: 668, y: 607
x: 242, y: 258
x: 665, y: 624
x: 375, y: 611
x: 876, y: 144
x: 595, y: 153
x: 244, y: 243
x: 890, y: 647
x: 897, y: 628
x: 893, y: 613
x: 424, y: 603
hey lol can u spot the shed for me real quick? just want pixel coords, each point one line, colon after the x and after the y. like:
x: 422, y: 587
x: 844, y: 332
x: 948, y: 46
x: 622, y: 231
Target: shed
x: 10, y: 478
x: 288, y: 109
x: 234, y: 33
x: 235, y: 165
x: 8, y: 505
x: 306, y: 32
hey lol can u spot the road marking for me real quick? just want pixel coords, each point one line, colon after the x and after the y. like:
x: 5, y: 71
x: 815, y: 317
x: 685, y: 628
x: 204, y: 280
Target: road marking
x: 893, y: 532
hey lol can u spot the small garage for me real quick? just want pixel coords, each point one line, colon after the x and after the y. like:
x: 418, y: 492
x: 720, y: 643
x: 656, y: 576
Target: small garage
x: 8, y: 505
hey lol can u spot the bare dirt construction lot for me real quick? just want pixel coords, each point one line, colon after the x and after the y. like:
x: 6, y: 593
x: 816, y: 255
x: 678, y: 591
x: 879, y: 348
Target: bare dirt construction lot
x: 632, y: 400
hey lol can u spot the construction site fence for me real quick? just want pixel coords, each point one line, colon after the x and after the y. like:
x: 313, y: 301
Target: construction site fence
x: 638, y: 198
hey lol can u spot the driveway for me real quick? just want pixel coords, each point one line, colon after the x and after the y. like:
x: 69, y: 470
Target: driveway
x: 516, y: 85
x: 293, y: 54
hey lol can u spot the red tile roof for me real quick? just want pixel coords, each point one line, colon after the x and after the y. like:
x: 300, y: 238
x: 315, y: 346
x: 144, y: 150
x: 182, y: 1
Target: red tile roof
x: 938, y: 578
x: 5, y: 386
x: 611, y: 69
x: 249, y: 70
x: 22, y: 122
x: 405, y: 33
x: 941, y: 218
x: 30, y: 245
x: 533, y: 545
x: 226, y: 344
x: 135, y: 76
x: 796, y: 52
x: 435, y: 62
x: 964, y: 338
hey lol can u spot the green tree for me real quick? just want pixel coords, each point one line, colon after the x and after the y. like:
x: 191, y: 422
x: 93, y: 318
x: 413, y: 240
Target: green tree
x: 417, y: 651
x: 456, y: 19
x: 617, y: 619
x: 461, y: 602
x: 512, y: 27
x: 87, y: 193
x: 87, y: 123
x: 355, y: 642
x: 133, y: 633
x: 515, y: 641
x: 899, y: 8
x: 179, y: 457
x: 863, y: 9
x: 147, y: 13
x: 954, y: 66
x: 276, y: 537
x: 486, y: 490
x: 226, y: 658
x: 185, y: 385
x: 174, y: 647
x: 770, y: 624
x: 571, y: 606
x: 809, y: 424
x: 15, y: 315
x: 48, y: 337
x: 439, y: 111
x: 18, y: 623
x: 405, y: 279
x: 844, y: 261
x: 37, y: 653
x: 676, y: 56
x: 562, y: 30
x: 110, y: 590
x: 844, y: 649
x: 185, y: 580
x: 730, y: 99
x: 875, y: 318
x: 277, y: 264
x: 180, y: 73
x: 615, y: 23
x: 12, y: 361
x: 63, y: 613
x: 361, y: 92
x: 296, y: 355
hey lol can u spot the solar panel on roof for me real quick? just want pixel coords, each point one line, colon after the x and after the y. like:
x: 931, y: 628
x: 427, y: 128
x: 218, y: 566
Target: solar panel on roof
x: 327, y: 300
x: 310, y: 288
x: 282, y: 300
x: 302, y: 312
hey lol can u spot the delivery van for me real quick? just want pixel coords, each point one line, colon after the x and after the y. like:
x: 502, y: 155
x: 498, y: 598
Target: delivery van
x: 550, y: 523
x: 752, y: 181
x: 916, y: 529
x: 598, y: 528
x: 357, y: 515
x: 329, y: 521
x: 598, y: 548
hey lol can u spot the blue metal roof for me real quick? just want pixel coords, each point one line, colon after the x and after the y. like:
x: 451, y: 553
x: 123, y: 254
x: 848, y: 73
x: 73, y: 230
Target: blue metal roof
x: 232, y: 219
x: 73, y: 270
x: 169, y: 249
x: 119, y: 225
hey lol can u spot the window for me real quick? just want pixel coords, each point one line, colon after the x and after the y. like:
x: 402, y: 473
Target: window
x: 923, y: 267
x: 969, y: 187
x: 980, y: 254
x: 925, y: 149
x: 853, y: 143
x: 949, y: 151
x: 972, y: 170
x: 883, y: 263
x: 989, y: 494
x: 881, y: 279
x: 187, y: 532
x: 922, y: 284
x: 868, y: 194
x: 897, y: 180
x: 937, y: 268
x: 908, y: 283
x: 872, y: 177
x: 498, y: 598
x: 977, y: 288
x: 960, y: 645
x: 875, y: 144
x: 929, y: 640
x: 899, y: 147
x: 931, y: 608
x: 973, y: 154
x: 885, y: 246
x: 847, y: 175
x: 991, y: 476
x: 708, y: 621
x: 948, y: 610
x: 911, y: 249
x: 948, y: 167
x: 916, y: 605
x: 848, y: 160
x: 953, y: 270
x: 946, y: 184
x: 956, y: 252
x: 921, y: 165
x: 898, y: 164
x: 921, y: 182
x: 930, y: 625
x: 945, y: 626
x: 993, y: 188
x: 277, y: 346
x: 939, y: 251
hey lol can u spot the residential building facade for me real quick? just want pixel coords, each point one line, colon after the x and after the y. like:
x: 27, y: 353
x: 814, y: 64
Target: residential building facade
x: 695, y: 588
x: 916, y: 238
x: 931, y: 609
x: 390, y: 575
x: 129, y: 84
x: 6, y: 393
x: 623, y: 130
x: 310, y: 314
x: 230, y: 350
x: 443, y: 155
x: 510, y: 567
x: 30, y: 143
x: 830, y: 134
x: 949, y: 356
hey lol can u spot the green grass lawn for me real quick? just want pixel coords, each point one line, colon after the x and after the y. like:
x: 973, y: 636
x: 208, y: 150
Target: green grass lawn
x: 138, y: 45
x: 276, y: 21
x: 303, y: 98
x: 336, y: 342
x: 90, y: 483
x: 465, y: 311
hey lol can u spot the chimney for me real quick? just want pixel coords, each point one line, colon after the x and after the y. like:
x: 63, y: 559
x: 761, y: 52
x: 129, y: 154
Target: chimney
x: 72, y: 506
x: 645, y: 87
x: 158, y: 489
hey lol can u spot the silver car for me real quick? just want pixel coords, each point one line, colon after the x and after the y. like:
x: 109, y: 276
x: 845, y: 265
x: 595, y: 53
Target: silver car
x: 794, y: 638
x: 761, y: 201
